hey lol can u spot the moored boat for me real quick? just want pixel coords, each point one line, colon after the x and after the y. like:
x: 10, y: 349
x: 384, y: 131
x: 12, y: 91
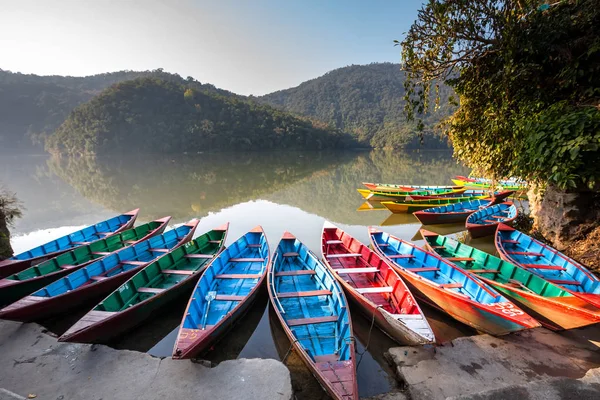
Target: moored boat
x: 410, y: 206
x: 451, y: 213
x: 393, y: 187
x: 101, y: 277
x: 450, y: 288
x: 314, y: 314
x: 378, y: 290
x: 84, y: 236
x: 401, y: 195
x: 224, y: 292
x: 551, y: 305
x: 515, y: 186
x: 531, y: 254
x: 474, y: 194
x: 156, y: 285
x: 484, y: 221
x: 18, y: 285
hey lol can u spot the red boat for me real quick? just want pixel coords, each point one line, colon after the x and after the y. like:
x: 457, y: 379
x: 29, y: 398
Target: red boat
x: 483, y: 222
x: 375, y: 287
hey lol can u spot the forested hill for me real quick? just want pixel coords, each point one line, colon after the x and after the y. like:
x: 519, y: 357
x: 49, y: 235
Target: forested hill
x: 33, y: 106
x: 366, y: 100
x: 156, y: 115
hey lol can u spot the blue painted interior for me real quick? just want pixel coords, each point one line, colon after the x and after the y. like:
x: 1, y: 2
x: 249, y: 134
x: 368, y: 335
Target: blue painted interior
x: 447, y: 272
x: 574, y: 271
x: 506, y: 211
x: 459, y: 207
x: 329, y: 338
x: 87, y: 234
x: 112, y: 264
x: 217, y: 309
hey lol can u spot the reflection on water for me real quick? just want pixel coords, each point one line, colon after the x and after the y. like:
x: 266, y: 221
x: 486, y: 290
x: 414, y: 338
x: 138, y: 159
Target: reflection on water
x: 280, y: 191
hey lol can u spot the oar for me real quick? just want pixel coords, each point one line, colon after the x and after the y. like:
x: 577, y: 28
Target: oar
x: 209, y: 297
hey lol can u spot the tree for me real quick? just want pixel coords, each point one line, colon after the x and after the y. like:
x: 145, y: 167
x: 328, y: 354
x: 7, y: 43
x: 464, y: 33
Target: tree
x: 527, y: 76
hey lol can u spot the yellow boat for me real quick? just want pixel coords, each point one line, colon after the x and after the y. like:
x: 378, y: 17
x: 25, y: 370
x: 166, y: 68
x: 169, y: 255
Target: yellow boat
x: 410, y: 206
x: 401, y: 195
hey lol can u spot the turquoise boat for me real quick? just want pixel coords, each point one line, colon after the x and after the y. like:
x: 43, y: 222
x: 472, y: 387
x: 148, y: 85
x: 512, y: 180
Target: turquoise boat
x: 223, y: 294
x: 313, y: 311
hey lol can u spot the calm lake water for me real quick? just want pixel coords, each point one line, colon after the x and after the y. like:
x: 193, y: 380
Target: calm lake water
x: 281, y: 191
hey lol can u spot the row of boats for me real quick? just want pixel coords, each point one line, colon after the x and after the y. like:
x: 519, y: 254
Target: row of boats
x: 135, y: 271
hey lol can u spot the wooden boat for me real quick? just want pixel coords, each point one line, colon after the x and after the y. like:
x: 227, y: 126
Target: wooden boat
x: 314, y: 314
x: 551, y: 305
x: 84, y: 236
x: 450, y: 288
x: 409, y: 188
x: 21, y: 284
x: 401, y: 195
x: 99, y: 278
x: 451, y: 213
x: 552, y: 265
x: 474, y: 194
x: 410, y: 206
x: 484, y: 221
x: 488, y: 185
x: 156, y: 285
x: 376, y: 288
x: 224, y: 292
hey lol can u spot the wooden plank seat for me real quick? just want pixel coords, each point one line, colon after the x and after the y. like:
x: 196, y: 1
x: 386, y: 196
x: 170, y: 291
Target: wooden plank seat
x: 393, y: 256
x: 497, y: 217
x: 206, y: 256
x: 365, y: 270
x: 381, y: 289
x: 564, y: 282
x: 101, y: 253
x: 423, y: 269
x: 327, y: 358
x: 460, y: 259
x: 511, y: 241
x: 247, y: 259
x: 131, y: 262
x: 490, y: 221
x: 310, y: 321
x: 238, y: 276
x: 309, y: 293
x: 160, y: 250
x: 454, y: 285
x: 255, y: 246
x: 334, y: 242
x: 483, y: 271
x: 296, y: 273
x: 150, y: 290
x: 344, y: 255
x: 178, y: 272
x: 229, y: 297
x: 525, y: 253
x: 544, y: 266
x: 291, y: 254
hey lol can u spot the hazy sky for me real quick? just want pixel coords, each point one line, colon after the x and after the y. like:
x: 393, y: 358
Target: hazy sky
x: 246, y: 46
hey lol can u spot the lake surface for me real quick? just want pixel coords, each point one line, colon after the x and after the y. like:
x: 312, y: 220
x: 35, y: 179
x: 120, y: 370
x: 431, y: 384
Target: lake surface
x: 294, y: 191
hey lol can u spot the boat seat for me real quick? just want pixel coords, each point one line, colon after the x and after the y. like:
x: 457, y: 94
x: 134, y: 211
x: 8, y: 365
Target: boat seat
x: 207, y: 256
x: 101, y: 253
x: 344, y: 255
x: 381, y: 289
x: 255, y: 246
x: 334, y: 242
x: 564, y: 282
x: 423, y: 269
x: 239, y: 276
x: 483, y: 271
x: 460, y: 259
x: 392, y: 256
x: 497, y: 217
x: 229, y: 297
x: 366, y: 270
x: 67, y: 266
x: 525, y: 253
x: 454, y: 285
x: 178, y: 272
x: 150, y: 290
x: 544, y: 266
x: 291, y: 254
x: 160, y: 250
x: 134, y: 262
x: 490, y: 221
x: 510, y: 241
x: 310, y: 321
x: 296, y: 273
x: 246, y: 259
x: 328, y: 358
x: 309, y: 293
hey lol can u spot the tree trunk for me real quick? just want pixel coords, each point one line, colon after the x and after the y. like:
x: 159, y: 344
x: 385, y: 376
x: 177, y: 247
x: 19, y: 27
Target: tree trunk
x: 5, y: 248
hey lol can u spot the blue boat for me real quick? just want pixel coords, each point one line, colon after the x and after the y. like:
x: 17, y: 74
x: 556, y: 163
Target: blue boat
x: 223, y: 294
x: 526, y: 252
x: 450, y: 288
x: 451, y: 213
x: 484, y: 221
x: 58, y: 246
x: 313, y: 311
x: 93, y: 281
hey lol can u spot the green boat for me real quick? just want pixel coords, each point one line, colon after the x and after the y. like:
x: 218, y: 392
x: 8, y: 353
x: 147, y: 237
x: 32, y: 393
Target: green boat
x: 402, y: 194
x: 18, y: 285
x: 552, y: 306
x: 156, y: 285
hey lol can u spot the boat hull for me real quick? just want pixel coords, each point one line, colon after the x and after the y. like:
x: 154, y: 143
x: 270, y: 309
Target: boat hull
x: 10, y: 267
x: 427, y: 218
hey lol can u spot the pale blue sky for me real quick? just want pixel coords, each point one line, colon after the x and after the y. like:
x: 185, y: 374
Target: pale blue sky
x: 248, y: 47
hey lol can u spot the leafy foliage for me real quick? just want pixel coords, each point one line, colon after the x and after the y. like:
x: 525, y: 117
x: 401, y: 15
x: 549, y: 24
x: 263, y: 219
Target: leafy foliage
x: 365, y: 100
x: 10, y: 209
x: 528, y: 80
x: 155, y: 115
